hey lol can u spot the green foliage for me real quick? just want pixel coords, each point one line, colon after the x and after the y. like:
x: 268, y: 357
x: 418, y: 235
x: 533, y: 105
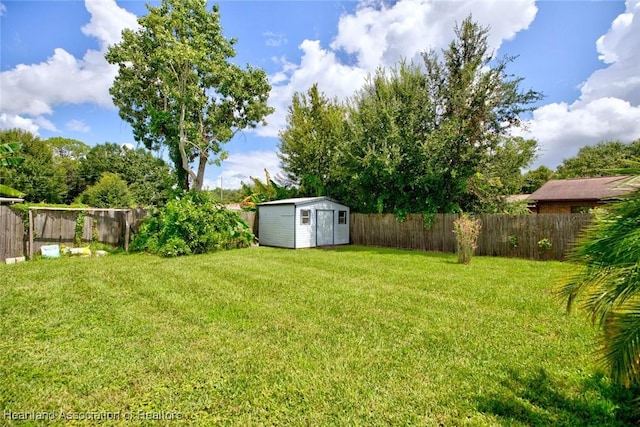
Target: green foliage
x: 602, y: 159
x: 433, y: 137
x: 192, y: 224
x: 176, y: 86
x: 7, y: 191
x: 9, y: 154
x: 266, y: 191
x: 149, y: 178
x: 608, y: 285
x: 545, y: 244
x: 77, y: 235
x: 311, y: 146
x: 68, y: 155
x: 467, y: 230
x: 38, y: 176
x: 111, y: 191
x: 534, y: 179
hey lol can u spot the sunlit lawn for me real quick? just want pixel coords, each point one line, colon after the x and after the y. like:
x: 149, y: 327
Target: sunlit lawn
x: 262, y: 336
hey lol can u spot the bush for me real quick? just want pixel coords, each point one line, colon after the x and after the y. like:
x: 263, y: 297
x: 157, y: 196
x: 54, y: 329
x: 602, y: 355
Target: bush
x: 193, y: 224
x: 467, y: 230
x: 110, y: 192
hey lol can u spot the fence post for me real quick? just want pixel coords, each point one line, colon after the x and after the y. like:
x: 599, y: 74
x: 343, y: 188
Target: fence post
x: 126, y: 230
x: 30, y: 234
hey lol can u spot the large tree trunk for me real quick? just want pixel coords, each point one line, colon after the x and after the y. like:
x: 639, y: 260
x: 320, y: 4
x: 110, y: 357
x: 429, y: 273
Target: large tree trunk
x: 182, y: 143
x: 202, y: 164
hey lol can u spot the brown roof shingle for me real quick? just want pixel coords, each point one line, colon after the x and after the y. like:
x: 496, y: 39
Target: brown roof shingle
x: 584, y: 188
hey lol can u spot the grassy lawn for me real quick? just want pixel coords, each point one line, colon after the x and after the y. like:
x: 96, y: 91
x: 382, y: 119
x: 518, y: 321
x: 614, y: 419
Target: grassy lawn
x: 352, y: 336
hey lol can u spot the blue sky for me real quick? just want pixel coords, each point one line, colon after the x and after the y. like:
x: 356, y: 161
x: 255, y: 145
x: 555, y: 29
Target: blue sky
x: 583, y: 55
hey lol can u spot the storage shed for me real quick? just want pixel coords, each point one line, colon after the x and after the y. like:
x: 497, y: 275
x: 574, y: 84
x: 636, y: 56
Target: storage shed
x: 303, y: 223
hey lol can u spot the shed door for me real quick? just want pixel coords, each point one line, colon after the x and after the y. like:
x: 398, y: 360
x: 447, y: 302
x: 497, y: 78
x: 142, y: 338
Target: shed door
x: 324, y: 228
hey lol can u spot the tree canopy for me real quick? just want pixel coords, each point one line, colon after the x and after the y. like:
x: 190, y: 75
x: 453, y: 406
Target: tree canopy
x: 433, y: 137
x: 177, y: 87
x: 603, y: 159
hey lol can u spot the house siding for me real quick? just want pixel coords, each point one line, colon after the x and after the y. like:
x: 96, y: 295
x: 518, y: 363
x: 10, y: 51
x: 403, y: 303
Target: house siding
x: 564, y: 207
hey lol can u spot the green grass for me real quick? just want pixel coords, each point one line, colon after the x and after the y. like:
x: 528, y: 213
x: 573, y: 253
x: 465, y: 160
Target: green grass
x: 262, y: 336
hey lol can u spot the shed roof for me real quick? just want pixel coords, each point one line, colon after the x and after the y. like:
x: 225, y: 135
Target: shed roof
x: 298, y: 201
x: 599, y: 188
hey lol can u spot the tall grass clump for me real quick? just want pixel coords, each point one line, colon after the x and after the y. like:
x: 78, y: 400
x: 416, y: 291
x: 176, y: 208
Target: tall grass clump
x: 193, y: 224
x: 467, y: 230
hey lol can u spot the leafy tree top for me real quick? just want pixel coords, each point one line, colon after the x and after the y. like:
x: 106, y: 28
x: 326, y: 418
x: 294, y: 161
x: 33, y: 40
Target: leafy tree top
x: 177, y: 87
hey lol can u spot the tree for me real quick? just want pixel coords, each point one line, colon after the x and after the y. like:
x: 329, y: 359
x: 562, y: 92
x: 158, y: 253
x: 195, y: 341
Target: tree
x: 602, y: 159
x: 67, y: 155
x: 111, y: 191
x: 417, y: 138
x: 474, y: 104
x: 390, y: 118
x: 176, y: 86
x: 38, y: 176
x: 312, y: 145
x: 534, y: 179
x: 608, y: 284
x: 9, y: 156
x: 149, y: 178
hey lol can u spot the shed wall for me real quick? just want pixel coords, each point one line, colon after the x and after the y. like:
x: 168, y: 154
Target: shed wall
x: 306, y: 234
x: 276, y: 226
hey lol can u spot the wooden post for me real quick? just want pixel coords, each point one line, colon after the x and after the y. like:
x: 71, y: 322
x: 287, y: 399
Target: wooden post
x: 126, y: 231
x: 30, y: 234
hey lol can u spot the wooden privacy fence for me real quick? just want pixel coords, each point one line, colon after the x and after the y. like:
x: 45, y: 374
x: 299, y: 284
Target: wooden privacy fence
x: 68, y: 226
x: 501, y: 235
x: 12, y: 234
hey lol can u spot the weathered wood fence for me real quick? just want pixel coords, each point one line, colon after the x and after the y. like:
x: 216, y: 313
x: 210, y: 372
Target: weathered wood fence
x: 72, y: 227
x: 12, y: 234
x: 501, y: 235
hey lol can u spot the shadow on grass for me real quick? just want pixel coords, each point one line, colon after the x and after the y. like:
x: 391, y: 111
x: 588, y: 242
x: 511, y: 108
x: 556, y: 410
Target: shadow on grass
x: 380, y: 250
x: 535, y: 399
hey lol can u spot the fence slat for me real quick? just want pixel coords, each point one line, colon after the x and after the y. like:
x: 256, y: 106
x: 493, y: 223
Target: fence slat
x: 501, y: 235
x: 58, y: 226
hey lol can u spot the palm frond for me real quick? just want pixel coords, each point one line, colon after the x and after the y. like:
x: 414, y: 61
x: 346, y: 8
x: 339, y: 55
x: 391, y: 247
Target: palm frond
x: 621, y: 350
x: 607, y: 284
x: 10, y: 192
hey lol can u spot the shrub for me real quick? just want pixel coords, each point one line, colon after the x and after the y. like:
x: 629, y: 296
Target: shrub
x: 110, y: 192
x: 193, y: 224
x: 467, y: 230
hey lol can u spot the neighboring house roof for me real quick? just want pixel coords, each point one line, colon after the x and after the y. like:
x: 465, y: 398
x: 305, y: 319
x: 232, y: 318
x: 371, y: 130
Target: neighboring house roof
x: 585, y: 188
x: 298, y: 201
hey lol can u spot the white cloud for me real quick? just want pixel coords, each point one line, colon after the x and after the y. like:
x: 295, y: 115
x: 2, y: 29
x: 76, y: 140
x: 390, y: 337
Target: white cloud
x: 562, y: 129
x: 77, y: 126
x: 238, y: 167
x: 107, y: 22
x: 10, y: 121
x: 379, y: 35
x: 609, y: 106
x: 3, y: 9
x: 274, y: 39
x: 35, y: 90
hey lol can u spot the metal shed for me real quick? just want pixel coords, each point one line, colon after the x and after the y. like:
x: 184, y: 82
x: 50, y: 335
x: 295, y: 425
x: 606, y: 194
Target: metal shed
x: 303, y: 223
